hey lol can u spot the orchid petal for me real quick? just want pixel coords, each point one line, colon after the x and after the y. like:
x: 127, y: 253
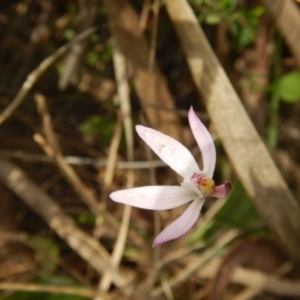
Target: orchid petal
x: 205, y: 143
x: 154, y: 197
x: 222, y: 190
x: 182, y: 224
x: 173, y: 153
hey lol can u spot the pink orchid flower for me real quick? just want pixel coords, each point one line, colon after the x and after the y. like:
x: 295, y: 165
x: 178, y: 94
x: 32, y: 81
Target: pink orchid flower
x: 197, y: 185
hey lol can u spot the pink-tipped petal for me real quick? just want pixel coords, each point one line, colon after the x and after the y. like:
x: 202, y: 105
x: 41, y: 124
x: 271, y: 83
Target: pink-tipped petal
x: 182, y: 224
x: 173, y: 153
x: 205, y: 143
x: 154, y: 197
x: 223, y: 190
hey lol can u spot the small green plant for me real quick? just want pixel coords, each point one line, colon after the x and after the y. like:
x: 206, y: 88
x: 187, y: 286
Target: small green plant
x: 287, y: 87
x: 238, y: 212
x: 242, y: 22
x: 98, y: 54
x: 99, y: 127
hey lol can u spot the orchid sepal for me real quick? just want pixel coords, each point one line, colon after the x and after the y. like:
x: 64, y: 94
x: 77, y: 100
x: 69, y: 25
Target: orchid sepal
x: 205, y: 143
x: 154, y: 197
x: 182, y: 224
x: 173, y: 153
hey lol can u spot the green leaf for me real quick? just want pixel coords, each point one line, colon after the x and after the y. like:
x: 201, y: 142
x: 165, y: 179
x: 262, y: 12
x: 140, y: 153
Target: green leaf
x: 86, y: 219
x: 242, y: 36
x: 196, y: 2
x: 256, y: 11
x: 287, y: 87
x: 102, y: 127
x: 238, y: 211
x: 92, y: 58
x: 212, y: 19
x: 200, y: 232
x: 47, y: 253
x: 69, y: 34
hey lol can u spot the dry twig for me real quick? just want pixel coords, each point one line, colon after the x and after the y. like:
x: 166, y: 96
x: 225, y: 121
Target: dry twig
x: 191, y: 267
x: 287, y: 16
x: 150, y: 86
x: 244, y: 147
x: 36, y: 74
x: 84, y: 193
x: 81, y: 161
x: 86, y: 19
x: 123, y: 92
x: 36, y: 288
x: 46, y: 207
x: 255, y: 279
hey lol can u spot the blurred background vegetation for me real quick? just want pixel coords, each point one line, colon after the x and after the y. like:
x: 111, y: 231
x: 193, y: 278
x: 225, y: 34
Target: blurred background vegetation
x: 82, y: 98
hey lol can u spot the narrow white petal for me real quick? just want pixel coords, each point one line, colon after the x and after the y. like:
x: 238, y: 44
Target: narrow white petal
x: 181, y: 225
x: 173, y: 153
x: 205, y: 143
x: 154, y: 197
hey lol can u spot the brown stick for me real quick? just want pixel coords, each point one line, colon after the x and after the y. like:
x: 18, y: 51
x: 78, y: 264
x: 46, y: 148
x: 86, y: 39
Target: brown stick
x: 36, y: 74
x: 244, y: 147
x: 84, y: 193
x: 287, y: 16
x: 150, y: 85
x: 254, y: 279
x: 46, y: 207
x: 37, y: 288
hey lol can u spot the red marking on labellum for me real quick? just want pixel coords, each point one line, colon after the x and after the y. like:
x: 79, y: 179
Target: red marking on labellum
x: 206, y: 185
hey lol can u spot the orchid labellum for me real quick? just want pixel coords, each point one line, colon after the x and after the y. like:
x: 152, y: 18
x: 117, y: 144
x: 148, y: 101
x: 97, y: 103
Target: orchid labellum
x: 197, y: 184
